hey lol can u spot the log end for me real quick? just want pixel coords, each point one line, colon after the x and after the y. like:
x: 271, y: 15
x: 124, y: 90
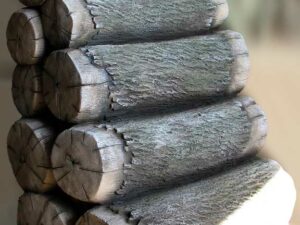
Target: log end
x: 103, y: 216
x: 259, y: 128
x: 240, y: 67
x: 32, y: 3
x: 221, y: 12
x: 74, y: 89
x: 27, y: 90
x: 66, y: 23
x: 88, y: 162
x: 29, y: 145
x: 25, y: 37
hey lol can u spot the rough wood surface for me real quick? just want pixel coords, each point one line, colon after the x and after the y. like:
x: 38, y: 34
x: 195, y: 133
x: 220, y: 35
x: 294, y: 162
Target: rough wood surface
x: 74, y: 23
x: 99, y: 163
x: 248, y: 194
x: 27, y: 90
x: 32, y: 2
x: 25, y: 37
x: 97, y: 81
x: 36, y: 209
x: 29, y: 146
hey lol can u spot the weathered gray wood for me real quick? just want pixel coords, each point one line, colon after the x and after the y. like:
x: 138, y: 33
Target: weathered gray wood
x: 99, y: 163
x: 29, y: 146
x: 33, y: 2
x: 27, y: 90
x: 97, y: 81
x: 74, y: 23
x: 25, y: 37
x: 251, y: 193
x: 36, y: 209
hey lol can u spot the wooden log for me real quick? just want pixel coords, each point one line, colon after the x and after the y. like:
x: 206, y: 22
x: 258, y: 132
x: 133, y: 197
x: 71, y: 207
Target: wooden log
x: 259, y: 192
x: 25, y: 37
x: 75, y: 23
x: 32, y: 3
x: 27, y: 90
x: 97, y: 81
x: 29, y: 146
x: 37, y: 209
x: 126, y: 158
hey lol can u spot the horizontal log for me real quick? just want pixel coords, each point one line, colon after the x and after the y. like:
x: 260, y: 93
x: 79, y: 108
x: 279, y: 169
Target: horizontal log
x: 25, y: 37
x: 37, y: 209
x: 27, y: 90
x: 32, y: 3
x: 75, y: 23
x: 97, y: 81
x: 29, y: 146
x: 258, y: 192
x: 125, y: 158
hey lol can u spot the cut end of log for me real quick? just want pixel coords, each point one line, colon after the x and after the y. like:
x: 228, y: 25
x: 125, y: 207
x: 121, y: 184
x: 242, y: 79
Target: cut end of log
x: 241, y: 65
x: 221, y: 13
x: 259, y: 127
x: 27, y: 90
x: 36, y: 209
x: 88, y: 162
x: 29, y: 146
x: 25, y: 37
x: 103, y: 216
x: 74, y: 89
x: 65, y: 21
x: 32, y: 3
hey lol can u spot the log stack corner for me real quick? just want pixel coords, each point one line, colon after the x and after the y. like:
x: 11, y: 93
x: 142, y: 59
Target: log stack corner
x: 131, y: 116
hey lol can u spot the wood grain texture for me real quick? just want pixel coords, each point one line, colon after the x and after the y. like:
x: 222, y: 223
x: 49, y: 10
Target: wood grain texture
x: 25, y: 37
x: 97, y: 81
x: 125, y: 158
x: 32, y: 3
x: 27, y: 90
x: 74, y: 23
x: 37, y: 209
x: 212, y: 201
x: 29, y: 146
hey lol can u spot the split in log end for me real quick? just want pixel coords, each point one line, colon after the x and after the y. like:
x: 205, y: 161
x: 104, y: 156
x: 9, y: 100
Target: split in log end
x: 32, y: 3
x: 75, y: 90
x: 241, y: 64
x: 27, y: 90
x: 259, y: 127
x: 88, y: 162
x: 71, y: 21
x: 25, y: 37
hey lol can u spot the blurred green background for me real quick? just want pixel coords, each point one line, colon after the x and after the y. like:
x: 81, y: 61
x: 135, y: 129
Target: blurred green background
x: 272, y: 31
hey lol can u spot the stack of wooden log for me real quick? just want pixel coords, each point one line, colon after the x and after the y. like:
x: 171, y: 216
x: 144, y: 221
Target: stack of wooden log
x: 132, y: 105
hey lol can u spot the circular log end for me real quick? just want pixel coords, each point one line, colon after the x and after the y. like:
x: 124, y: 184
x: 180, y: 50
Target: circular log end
x: 27, y: 90
x: 74, y: 89
x: 88, y: 163
x: 36, y: 209
x: 103, y: 216
x: 65, y: 22
x: 259, y: 129
x: 221, y: 12
x: 25, y: 37
x: 32, y: 3
x: 29, y: 145
x: 240, y: 67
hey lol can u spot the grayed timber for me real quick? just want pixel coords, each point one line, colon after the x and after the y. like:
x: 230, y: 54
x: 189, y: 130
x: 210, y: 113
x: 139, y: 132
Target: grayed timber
x: 33, y: 2
x: 74, y: 23
x: 25, y: 37
x: 100, y: 163
x: 224, y: 199
x: 27, y: 90
x: 96, y: 81
x: 29, y: 146
x: 37, y: 209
